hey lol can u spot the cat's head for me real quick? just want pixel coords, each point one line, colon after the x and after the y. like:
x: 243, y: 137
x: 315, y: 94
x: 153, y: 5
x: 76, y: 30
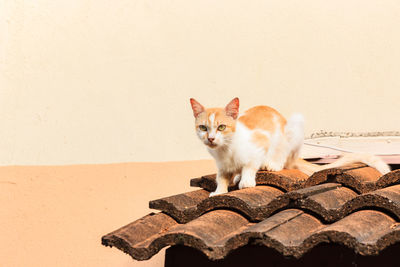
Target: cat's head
x: 215, y: 126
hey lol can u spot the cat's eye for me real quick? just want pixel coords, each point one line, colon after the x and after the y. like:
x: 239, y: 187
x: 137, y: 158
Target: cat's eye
x: 202, y: 128
x: 221, y: 127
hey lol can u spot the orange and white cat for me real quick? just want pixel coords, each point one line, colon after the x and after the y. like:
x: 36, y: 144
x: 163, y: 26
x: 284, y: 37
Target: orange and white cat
x: 260, y: 138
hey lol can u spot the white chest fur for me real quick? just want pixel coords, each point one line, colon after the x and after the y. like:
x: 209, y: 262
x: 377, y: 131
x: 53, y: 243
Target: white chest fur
x: 238, y: 152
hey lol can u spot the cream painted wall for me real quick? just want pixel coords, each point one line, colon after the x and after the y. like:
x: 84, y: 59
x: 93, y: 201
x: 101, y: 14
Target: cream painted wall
x: 86, y: 81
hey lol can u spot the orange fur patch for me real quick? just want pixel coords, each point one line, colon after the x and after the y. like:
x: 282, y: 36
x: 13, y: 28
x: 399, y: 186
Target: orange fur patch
x: 260, y: 140
x: 262, y: 117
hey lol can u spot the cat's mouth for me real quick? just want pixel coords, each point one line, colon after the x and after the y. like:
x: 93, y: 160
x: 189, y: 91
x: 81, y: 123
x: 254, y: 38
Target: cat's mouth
x: 212, y: 145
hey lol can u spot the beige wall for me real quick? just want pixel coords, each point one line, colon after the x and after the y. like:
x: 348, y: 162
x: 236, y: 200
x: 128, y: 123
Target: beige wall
x: 109, y: 81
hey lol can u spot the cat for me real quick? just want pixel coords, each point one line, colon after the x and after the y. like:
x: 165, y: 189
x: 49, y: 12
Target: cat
x: 260, y: 138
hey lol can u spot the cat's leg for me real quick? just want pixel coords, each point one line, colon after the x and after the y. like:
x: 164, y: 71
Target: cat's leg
x: 291, y: 160
x: 277, y: 154
x: 248, y: 177
x: 237, y: 178
x: 294, y: 133
x: 222, y: 183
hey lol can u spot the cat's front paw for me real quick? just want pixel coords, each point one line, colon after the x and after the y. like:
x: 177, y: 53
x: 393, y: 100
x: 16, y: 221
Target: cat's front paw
x: 273, y: 167
x: 215, y: 193
x: 247, y: 183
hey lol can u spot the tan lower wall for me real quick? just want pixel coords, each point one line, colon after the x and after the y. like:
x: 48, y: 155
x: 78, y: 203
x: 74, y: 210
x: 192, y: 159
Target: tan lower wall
x: 56, y: 216
x: 86, y: 81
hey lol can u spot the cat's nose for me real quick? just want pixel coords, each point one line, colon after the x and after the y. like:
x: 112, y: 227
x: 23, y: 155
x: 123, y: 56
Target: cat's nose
x: 211, y: 139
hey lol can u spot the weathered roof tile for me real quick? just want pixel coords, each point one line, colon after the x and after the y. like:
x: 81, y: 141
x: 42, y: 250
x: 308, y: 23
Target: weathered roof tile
x: 182, y: 207
x: 326, y: 200
x: 356, y: 176
x: 387, y: 199
x: 130, y: 238
x: 390, y: 178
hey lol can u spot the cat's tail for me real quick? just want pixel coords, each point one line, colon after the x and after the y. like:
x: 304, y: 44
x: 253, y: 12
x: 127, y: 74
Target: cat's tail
x: 294, y: 132
x: 371, y: 160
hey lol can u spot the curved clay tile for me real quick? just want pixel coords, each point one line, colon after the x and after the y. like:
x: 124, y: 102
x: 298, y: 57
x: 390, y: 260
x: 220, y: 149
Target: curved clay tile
x: 390, y: 178
x: 386, y: 199
x: 357, y: 176
x: 129, y: 237
x: 182, y: 207
x: 326, y: 200
x: 287, y: 180
x: 366, y: 231
x: 255, y: 203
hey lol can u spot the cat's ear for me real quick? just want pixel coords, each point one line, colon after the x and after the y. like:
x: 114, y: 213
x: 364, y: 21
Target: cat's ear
x: 232, y: 109
x: 197, y: 107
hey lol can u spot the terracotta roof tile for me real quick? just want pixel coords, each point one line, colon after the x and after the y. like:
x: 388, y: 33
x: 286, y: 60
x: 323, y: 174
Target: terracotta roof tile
x: 325, y: 200
x: 287, y: 211
x: 390, y: 178
x: 357, y: 176
x: 387, y: 199
x: 182, y: 207
x: 366, y: 231
x: 134, y: 238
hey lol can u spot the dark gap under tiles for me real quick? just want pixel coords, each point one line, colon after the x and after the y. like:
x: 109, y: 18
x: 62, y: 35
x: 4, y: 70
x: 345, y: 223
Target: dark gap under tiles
x: 327, y: 255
